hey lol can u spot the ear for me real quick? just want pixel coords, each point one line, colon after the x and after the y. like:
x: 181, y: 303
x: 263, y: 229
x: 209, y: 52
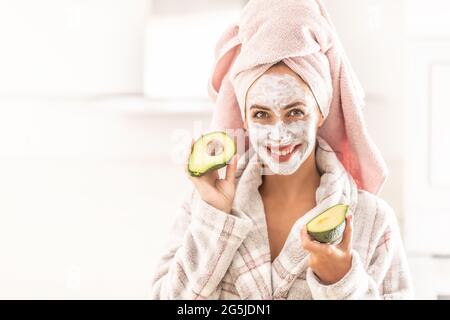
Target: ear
x: 321, y: 117
x: 321, y: 120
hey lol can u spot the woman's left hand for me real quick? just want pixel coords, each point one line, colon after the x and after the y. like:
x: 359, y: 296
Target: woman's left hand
x: 330, y: 262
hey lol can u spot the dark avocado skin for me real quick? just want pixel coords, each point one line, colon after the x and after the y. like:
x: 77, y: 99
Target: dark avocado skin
x: 215, y: 167
x: 330, y: 235
x: 199, y: 174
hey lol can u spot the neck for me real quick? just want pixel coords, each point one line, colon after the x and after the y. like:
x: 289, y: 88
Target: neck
x: 302, y: 184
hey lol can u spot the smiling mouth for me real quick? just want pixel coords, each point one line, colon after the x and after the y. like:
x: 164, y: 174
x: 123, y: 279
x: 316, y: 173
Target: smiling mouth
x: 282, y: 153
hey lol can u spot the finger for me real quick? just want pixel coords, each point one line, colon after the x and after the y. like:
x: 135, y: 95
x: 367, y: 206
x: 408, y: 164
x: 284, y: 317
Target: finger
x: 315, y: 246
x: 231, y: 169
x: 210, y: 177
x: 307, y: 243
x: 303, y: 241
x: 346, y: 243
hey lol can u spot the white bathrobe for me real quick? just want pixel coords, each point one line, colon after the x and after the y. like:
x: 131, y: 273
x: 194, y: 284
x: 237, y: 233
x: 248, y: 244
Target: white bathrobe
x: 215, y: 255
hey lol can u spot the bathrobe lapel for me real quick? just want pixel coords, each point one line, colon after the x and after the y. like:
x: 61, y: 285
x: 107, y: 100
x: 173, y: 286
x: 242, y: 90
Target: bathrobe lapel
x: 255, y: 276
x: 251, y: 266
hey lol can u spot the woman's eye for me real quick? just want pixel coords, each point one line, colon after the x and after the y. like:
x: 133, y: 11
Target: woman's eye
x: 260, y: 115
x: 296, y: 112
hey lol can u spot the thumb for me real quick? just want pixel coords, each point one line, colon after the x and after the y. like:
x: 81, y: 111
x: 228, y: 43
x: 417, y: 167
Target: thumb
x: 231, y: 169
x: 346, y: 243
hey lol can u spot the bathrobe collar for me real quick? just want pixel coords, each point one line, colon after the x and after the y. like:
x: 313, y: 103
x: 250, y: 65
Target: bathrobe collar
x: 256, y: 277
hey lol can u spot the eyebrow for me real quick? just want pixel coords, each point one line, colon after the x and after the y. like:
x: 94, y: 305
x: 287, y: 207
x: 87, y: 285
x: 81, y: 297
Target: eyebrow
x: 290, y: 105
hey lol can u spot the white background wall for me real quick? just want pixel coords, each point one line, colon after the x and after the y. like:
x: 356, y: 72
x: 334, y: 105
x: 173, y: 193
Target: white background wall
x: 87, y: 191
x: 72, y: 47
x: 373, y: 37
x: 89, y: 181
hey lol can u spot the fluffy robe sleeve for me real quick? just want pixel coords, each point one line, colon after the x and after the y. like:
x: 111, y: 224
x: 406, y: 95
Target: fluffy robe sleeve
x: 200, y: 249
x: 387, y: 275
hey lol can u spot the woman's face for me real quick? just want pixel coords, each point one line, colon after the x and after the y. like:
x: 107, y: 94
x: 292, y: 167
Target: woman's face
x: 282, y: 118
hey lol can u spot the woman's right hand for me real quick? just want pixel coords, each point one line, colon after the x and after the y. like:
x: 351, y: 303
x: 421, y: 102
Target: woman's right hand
x: 215, y: 191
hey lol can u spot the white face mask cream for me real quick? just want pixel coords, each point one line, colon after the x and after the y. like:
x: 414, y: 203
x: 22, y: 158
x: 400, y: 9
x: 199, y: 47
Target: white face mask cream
x: 282, y: 137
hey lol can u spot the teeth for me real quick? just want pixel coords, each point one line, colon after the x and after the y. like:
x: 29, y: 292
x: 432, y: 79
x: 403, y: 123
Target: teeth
x: 281, y: 152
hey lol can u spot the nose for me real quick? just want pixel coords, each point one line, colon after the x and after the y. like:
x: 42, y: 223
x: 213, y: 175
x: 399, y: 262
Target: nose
x: 279, y: 132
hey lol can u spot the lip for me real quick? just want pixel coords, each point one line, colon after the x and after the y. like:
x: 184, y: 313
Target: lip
x: 283, y: 158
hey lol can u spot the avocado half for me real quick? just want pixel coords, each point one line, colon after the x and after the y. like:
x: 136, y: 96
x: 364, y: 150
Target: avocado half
x: 211, y: 151
x: 329, y: 225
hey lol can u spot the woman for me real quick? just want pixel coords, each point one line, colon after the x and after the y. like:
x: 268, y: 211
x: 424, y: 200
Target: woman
x: 283, y: 77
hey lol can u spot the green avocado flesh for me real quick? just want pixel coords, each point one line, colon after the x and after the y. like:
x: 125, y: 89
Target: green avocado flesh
x: 210, y: 152
x: 329, y: 225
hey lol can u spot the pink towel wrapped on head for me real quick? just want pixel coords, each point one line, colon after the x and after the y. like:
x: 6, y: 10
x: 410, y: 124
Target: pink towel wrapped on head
x: 301, y: 34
